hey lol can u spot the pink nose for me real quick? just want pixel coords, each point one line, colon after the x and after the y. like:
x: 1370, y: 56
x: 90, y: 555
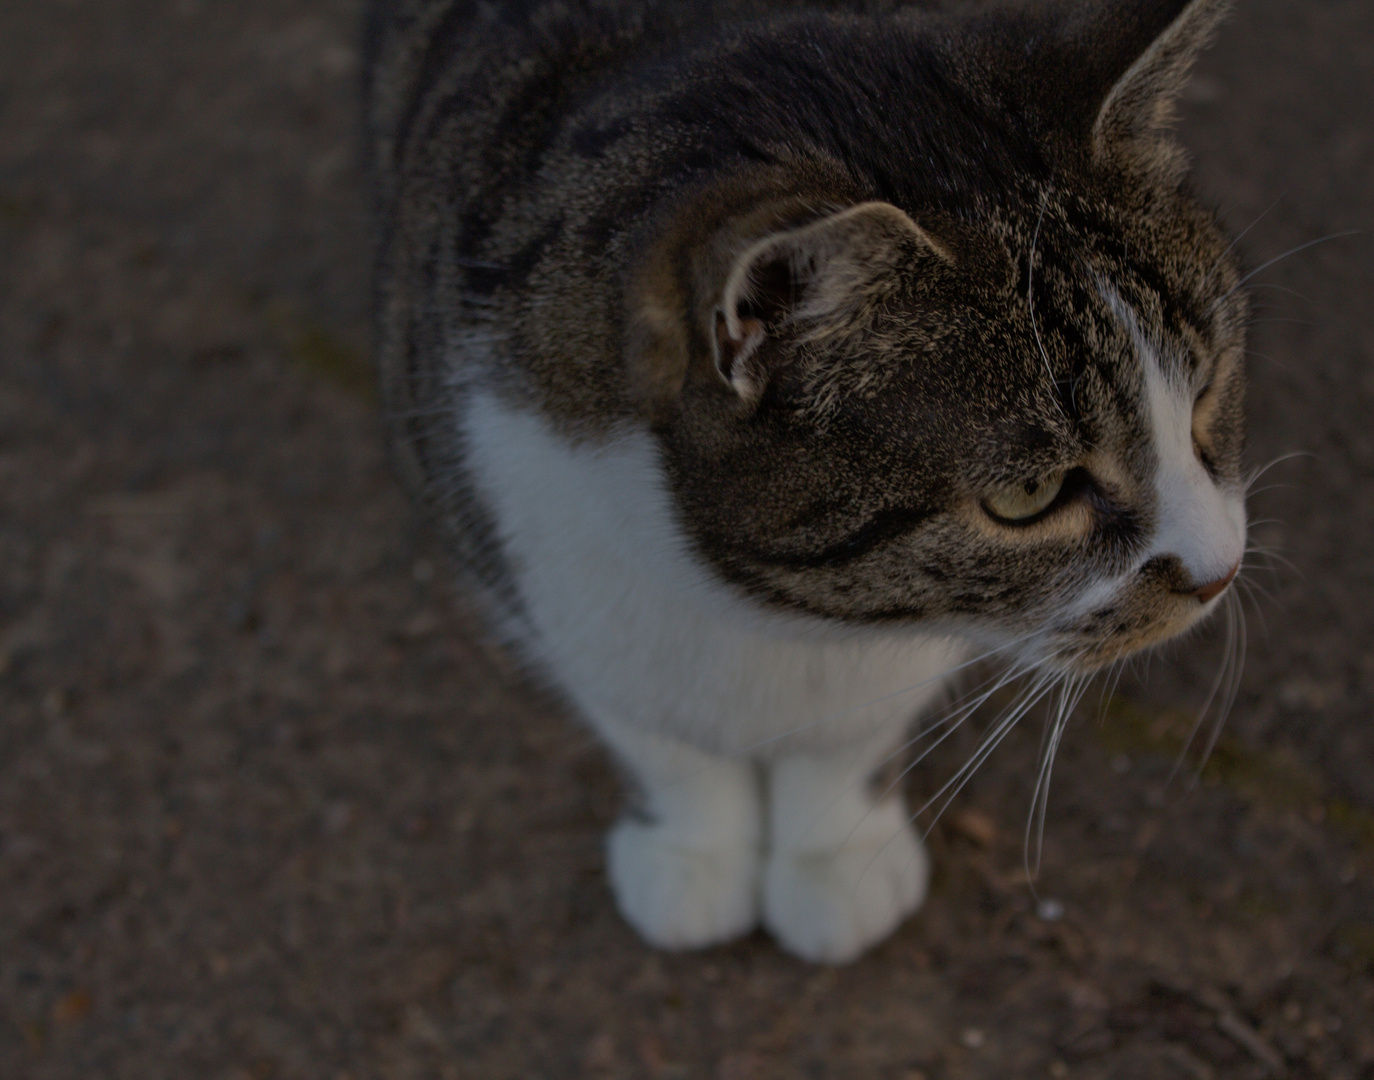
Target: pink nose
x: 1216, y: 588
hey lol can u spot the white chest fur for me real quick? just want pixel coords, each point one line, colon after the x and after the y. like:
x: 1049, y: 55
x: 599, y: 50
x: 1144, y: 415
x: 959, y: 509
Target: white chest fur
x: 637, y: 630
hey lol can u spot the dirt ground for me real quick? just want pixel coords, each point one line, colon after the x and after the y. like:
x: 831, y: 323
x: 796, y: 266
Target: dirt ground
x: 270, y: 809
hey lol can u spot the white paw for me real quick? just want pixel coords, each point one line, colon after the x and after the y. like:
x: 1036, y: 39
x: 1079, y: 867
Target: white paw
x: 829, y: 905
x: 680, y: 896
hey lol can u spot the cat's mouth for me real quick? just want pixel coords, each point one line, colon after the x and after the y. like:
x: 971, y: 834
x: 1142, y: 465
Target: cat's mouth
x: 1141, y: 617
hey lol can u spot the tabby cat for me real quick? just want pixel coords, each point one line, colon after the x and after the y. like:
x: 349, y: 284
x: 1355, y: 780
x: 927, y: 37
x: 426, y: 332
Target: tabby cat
x: 765, y: 363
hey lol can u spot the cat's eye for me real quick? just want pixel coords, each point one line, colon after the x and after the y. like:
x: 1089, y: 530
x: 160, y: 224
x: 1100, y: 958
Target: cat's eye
x: 1020, y: 502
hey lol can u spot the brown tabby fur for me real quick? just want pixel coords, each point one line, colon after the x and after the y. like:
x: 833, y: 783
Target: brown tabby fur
x: 565, y: 190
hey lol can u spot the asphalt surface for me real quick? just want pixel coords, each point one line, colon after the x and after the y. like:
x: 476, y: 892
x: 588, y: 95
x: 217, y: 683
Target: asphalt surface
x: 270, y: 808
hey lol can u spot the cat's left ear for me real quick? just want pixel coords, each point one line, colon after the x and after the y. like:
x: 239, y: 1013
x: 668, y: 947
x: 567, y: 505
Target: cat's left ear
x: 814, y: 279
x: 1161, y: 39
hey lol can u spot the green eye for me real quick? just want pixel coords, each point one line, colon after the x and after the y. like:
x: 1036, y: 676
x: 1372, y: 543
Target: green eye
x: 1017, y: 502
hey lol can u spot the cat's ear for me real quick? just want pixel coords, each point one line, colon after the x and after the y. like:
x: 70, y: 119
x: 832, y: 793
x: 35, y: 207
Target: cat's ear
x: 1149, y: 47
x: 821, y: 276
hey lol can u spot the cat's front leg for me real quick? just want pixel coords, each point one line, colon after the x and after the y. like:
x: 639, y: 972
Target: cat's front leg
x: 843, y: 868
x: 685, y: 866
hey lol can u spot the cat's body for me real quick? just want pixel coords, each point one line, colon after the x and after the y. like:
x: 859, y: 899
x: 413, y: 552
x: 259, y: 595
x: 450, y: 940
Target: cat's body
x: 729, y: 359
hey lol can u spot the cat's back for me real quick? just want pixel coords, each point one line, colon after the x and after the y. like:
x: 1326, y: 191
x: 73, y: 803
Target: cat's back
x: 474, y: 92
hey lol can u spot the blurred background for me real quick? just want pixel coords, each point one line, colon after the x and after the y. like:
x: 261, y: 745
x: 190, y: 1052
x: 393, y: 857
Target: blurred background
x: 269, y: 808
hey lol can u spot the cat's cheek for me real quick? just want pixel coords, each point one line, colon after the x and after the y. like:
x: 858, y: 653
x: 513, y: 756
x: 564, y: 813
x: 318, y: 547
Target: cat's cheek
x: 1218, y: 430
x: 1045, y: 564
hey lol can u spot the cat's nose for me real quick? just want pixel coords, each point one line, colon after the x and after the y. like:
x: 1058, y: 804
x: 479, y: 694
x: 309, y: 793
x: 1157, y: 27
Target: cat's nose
x: 1216, y: 588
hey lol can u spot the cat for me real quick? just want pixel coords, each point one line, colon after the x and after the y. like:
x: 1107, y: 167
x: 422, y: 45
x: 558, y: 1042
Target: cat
x: 766, y: 364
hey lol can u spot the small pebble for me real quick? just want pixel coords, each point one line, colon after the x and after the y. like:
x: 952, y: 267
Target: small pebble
x: 1049, y: 910
x: 973, y: 1038
x: 1121, y: 764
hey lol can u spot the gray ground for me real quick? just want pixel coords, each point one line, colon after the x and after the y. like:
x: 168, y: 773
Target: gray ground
x: 268, y: 808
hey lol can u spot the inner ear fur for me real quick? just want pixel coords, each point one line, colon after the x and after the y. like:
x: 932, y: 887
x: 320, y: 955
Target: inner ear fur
x: 822, y: 274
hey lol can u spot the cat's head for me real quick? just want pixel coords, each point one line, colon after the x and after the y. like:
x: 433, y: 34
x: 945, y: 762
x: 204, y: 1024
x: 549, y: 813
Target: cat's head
x: 1005, y: 395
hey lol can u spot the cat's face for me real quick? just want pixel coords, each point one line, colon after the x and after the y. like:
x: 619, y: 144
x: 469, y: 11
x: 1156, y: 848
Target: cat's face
x: 1021, y: 418
x: 1030, y: 429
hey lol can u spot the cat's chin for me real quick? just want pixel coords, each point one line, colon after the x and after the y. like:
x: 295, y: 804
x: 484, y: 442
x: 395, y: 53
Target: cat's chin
x: 1078, y: 657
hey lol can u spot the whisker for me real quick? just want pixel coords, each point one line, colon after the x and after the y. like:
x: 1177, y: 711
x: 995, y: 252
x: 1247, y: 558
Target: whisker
x: 1268, y: 319
x: 1030, y: 293
x: 951, y: 723
x: 1257, y: 473
x: 1110, y: 683
x: 1217, y: 683
x: 991, y: 741
x: 1216, y: 223
x: 1250, y: 588
x: 1274, y: 556
x: 1054, y: 748
x: 922, y: 684
x: 1241, y: 236
x: 1073, y: 689
x: 1279, y: 258
x: 957, y: 710
x: 1281, y: 288
x: 956, y: 713
x: 1236, y: 661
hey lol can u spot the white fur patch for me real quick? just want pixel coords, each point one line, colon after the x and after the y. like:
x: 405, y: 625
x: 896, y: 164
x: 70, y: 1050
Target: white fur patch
x: 1199, y: 522
x: 641, y: 634
x: 843, y: 871
x: 695, y: 687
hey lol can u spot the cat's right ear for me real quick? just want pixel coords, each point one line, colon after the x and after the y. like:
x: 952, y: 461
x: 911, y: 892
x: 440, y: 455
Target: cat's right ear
x: 807, y: 282
x: 1118, y: 66
x: 1140, y: 103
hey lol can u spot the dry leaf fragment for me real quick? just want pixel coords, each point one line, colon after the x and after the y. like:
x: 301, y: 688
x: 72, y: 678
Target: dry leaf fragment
x: 976, y: 826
